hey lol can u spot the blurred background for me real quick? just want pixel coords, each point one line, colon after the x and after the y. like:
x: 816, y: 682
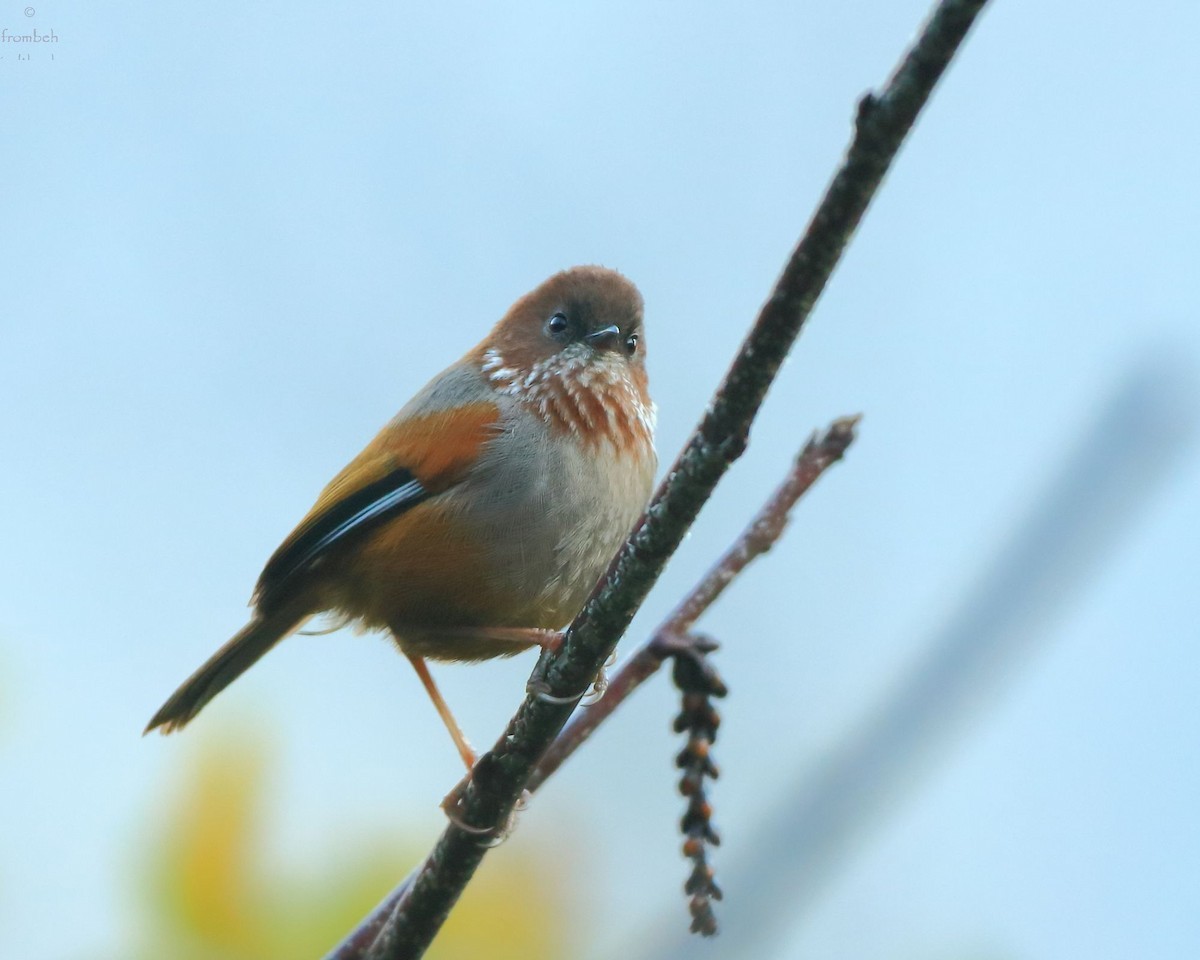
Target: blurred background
x: 236, y: 238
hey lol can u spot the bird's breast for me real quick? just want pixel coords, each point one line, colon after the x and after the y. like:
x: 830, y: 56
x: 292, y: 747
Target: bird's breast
x: 550, y: 512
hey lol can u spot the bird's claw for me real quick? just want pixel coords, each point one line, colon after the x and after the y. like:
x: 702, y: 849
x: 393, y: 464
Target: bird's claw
x: 538, y: 690
x: 600, y: 684
x: 485, y: 836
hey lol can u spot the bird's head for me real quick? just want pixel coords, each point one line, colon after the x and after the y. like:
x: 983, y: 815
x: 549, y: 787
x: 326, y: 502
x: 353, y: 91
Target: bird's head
x: 574, y: 348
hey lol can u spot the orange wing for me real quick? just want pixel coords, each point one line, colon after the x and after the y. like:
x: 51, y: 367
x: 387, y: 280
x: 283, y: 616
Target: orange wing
x: 408, y: 462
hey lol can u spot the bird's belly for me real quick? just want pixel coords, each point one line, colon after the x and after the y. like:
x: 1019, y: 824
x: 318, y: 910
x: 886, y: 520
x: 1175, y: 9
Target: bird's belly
x: 509, y: 547
x: 430, y: 567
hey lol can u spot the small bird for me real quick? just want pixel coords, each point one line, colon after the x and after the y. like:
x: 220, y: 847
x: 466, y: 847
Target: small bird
x: 478, y: 520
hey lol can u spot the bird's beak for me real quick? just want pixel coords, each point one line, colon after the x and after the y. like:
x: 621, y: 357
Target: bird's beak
x: 605, y: 335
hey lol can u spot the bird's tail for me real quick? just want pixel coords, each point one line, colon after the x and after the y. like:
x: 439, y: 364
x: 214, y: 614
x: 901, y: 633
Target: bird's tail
x: 225, y: 666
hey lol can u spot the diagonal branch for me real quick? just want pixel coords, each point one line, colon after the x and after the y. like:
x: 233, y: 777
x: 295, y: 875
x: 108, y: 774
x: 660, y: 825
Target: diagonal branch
x: 502, y: 773
x: 820, y: 453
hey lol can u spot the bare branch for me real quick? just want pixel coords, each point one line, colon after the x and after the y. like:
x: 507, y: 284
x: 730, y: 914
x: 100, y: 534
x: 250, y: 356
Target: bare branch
x: 820, y: 453
x: 502, y: 773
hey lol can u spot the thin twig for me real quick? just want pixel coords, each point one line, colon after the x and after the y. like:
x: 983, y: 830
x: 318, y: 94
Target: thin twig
x: 820, y: 453
x: 502, y: 773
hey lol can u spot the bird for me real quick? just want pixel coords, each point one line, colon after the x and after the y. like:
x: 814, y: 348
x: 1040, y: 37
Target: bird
x: 477, y: 521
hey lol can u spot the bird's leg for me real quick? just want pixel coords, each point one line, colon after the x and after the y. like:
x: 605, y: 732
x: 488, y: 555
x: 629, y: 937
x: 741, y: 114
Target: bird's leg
x: 549, y: 641
x: 460, y: 741
x: 454, y: 798
x: 522, y: 638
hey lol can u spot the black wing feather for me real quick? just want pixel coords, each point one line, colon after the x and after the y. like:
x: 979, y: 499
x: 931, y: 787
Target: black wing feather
x: 382, y: 500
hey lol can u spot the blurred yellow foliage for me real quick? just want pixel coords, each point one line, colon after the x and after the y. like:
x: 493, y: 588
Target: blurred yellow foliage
x: 212, y: 893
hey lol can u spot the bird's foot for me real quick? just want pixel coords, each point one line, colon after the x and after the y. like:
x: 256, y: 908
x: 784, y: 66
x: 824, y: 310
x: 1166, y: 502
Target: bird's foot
x: 538, y: 688
x: 600, y: 685
x: 452, y: 806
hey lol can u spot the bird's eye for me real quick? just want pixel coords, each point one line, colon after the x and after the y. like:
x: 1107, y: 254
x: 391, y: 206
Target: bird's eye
x: 556, y: 325
x: 631, y: 343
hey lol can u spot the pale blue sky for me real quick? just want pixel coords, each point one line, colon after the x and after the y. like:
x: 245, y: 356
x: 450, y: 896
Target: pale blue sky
x: 235, y: 239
